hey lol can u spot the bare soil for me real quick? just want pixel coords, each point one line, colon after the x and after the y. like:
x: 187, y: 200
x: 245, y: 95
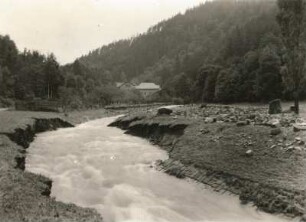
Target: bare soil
x: 240, y: 149
x: 24, y: 196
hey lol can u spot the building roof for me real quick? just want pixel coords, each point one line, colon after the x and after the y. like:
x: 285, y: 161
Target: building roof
x: 120, y: 84
x: 147, y: 85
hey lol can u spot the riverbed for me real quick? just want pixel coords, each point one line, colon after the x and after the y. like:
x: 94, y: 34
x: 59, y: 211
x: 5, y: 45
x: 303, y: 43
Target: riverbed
x: 96, y: 166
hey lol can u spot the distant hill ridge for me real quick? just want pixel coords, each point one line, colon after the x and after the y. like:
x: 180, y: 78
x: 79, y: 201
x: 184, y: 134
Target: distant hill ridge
x: 221, y: 51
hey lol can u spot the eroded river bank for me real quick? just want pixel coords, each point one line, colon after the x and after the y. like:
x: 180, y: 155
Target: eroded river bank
x: 96, y: 166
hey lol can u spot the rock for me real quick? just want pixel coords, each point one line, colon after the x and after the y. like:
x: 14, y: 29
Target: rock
x: 275, y: 107
x: 275, y: 132
x: 248, y: 121
x: 290, y: 148
x: 274, y: 123
x: 301, y: 143
x: 242, y: 123
x: 273, y: 146
x: 204, y: 131
x: 233, y: 119
x: 210, y: 120
x: 292, y: 109
x: 164, y: 111
x: 249, y: 153
x: 20, y: 162
x: 203, y: 105
x: 299, y: 127
x: 252, y: 116
x: 298, y: 148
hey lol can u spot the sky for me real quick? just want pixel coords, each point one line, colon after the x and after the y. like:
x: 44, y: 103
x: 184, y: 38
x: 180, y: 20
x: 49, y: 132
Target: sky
x: 71, y: 28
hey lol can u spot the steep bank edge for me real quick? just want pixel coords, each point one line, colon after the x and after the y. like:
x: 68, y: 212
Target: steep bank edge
x: 165, y: 134
x: 23, y: 137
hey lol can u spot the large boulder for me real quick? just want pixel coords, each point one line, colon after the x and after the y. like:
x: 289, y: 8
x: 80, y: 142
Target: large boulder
x: 164, y: 111
x: 275, y: 107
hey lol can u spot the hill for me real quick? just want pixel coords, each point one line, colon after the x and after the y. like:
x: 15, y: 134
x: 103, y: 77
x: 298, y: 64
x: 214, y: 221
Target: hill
x: 221, y: 51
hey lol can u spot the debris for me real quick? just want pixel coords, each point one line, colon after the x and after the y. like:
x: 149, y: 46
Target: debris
x: 275, y: 107
x: 299, y: 127
x: 164, y: 111
x: 242, y: 123
x: 249, y: 153
x: 275, y: 132
x: 210, y: 120
x: 273, y: 146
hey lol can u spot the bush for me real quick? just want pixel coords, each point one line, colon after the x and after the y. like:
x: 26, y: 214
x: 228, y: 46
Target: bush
x: 6, y: 102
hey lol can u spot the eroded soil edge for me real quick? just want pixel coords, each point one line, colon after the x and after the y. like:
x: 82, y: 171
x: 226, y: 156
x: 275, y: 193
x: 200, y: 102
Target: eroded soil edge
x: 26, y: 196
x: 193, y: 156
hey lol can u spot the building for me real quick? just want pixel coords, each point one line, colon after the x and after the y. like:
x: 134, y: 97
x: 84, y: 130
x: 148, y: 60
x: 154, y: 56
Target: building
x: 125, y: 85
x: 147, y: 89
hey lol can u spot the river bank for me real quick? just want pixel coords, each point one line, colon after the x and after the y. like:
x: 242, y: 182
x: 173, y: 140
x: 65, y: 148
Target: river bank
x: 26, y: 196
x: 241, y: 150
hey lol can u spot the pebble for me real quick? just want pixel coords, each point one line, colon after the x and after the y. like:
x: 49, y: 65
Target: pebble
x: 298, y: 148
x: 275, y: 132
x: 249, y: 153
x: 273, y: 146
x: 301, y: 143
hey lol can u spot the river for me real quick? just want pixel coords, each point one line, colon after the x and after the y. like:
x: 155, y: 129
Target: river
x: 96, y: 166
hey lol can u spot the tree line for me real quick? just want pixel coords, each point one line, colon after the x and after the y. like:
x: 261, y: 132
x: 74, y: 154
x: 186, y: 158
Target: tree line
x: 30, y: 75
x: 221, y: 51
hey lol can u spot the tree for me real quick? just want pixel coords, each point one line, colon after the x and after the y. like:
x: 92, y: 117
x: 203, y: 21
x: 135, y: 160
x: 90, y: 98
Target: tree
x: 291, y: 20
x: 53, y: 77
x: 268, y: 79
x: 206, y: 83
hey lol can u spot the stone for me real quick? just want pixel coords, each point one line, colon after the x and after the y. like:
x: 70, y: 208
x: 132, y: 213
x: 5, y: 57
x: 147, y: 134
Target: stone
x: 248, y: 121
x: 209, y: 120
x: 274, y: 123
x: 204, y: 131
x: 292, y: 109
x: 275, y: 107
x: 298, y: 148
x: 273, y: 146
x: 242, y: 123
x: 252, y: 116
x: 249, y: 153
x: 164, y: 111
x: 233, y: 119
x: 275, y: 132
x: 290, y: 148
x: 203, y: 105
x: 299, y: 127
x: 301, y: 143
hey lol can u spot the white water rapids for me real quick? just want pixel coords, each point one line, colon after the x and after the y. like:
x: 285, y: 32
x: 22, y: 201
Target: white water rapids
x: 96, y: 166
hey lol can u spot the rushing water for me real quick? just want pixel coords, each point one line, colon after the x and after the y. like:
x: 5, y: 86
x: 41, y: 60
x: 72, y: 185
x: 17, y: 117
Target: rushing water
x: 95, y: 166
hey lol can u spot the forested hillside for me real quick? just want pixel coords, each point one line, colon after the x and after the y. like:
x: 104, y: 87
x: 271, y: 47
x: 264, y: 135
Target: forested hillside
x: 221, y: 51
x: 28, y: 74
